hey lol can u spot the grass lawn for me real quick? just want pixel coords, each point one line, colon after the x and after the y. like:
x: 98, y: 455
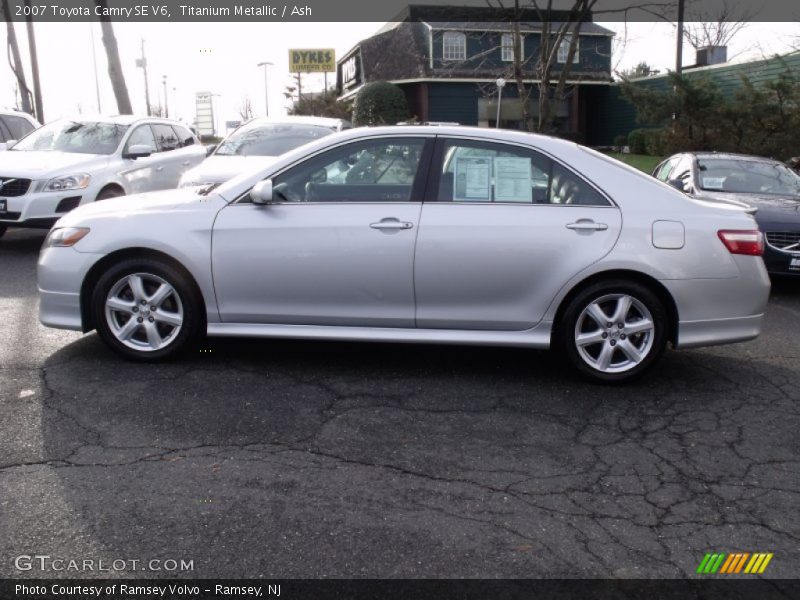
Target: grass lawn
x: 640, y: 161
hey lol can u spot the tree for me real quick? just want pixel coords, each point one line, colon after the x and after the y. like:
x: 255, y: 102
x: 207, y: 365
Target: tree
x: 114, y: 64
x: 14, y: 60
x: 246, y: 109
x: 640, y: 70
x: 380, y: 103
x: 717, y: 28
x: 324, y: 104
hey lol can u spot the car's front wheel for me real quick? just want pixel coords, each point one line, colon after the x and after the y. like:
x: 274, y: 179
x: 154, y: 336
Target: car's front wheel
x: 146, y: 310
x: 614, y: 331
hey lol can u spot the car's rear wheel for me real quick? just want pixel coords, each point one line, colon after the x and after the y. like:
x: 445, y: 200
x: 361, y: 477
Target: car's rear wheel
x: 614, y: 331
x: 146, y: 310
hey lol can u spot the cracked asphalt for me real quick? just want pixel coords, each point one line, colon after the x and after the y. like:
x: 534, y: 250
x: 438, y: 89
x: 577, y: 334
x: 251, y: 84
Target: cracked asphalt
x: 307, y: 459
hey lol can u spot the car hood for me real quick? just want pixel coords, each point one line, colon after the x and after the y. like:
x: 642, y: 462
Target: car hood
x: 218, y: 169
x: 43, y: 165
x: 771, y: 208
x: 127, y: 206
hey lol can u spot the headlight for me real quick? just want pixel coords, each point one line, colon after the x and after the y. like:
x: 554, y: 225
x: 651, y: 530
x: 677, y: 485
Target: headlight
x: 68, y: 182
x: 63, y: 237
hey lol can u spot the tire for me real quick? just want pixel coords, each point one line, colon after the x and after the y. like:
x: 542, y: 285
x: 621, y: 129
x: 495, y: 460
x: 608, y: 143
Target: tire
x: 613, y: 354
x: 109, y: 192
x: 130, y: 326
x: 3, y: 229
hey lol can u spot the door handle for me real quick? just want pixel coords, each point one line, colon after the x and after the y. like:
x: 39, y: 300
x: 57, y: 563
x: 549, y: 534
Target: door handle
x: 587, y: 225
x: 159, y: 168
x: 391, y: 224
x: 187, y: 163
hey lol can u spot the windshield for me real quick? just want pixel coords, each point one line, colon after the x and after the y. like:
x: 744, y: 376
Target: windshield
x: 269, y: 140
x: 88, y: 137
x: 739, y: 176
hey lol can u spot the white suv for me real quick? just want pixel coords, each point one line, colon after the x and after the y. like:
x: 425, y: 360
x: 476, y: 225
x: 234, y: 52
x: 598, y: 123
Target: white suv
x: 76, y: 161
x: 15, y: 125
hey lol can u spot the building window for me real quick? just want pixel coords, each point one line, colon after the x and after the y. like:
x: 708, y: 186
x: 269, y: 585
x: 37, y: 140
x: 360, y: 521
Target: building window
x: 454, y: 46
x: 507, y: 47
x: 563, y: 50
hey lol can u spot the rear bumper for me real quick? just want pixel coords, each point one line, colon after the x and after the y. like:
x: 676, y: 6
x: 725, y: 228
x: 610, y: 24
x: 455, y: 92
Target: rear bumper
x: 692, y: 334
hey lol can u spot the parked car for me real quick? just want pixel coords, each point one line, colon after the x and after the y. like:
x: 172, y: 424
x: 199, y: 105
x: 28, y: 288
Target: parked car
x: 256, y: 144
x: 426, y: 234
x: 70, y: 162
x: 767, y: 185
x: 15, y: 125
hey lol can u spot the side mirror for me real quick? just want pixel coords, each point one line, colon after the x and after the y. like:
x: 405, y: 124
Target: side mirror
x: 677, y: 184
x: 262, y: 192
x: 210, y: 149
x: 138, y: 151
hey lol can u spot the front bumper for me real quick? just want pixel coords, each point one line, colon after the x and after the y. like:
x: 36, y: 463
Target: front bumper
x: 39, y: 209
x: 60, y: 274
x: 781, y: 262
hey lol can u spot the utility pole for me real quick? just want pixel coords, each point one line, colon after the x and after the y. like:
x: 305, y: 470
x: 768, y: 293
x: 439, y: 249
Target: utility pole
x: 142, y: 62
x: 266, y: 96
x: 166, y: 103
x: 94, y: 64
x: 15, y: 61
x: 679, y: 48
x: 37, y: 88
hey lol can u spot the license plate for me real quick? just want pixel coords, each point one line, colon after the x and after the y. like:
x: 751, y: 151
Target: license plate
x: 794, y: 263
x: 3, y: 207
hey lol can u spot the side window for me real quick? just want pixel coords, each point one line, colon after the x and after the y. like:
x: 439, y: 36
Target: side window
x: 488, y: 172
x: 165, y: 137
x: 17, y: 126
x: 666, y: 168
x: 185, y: 136
x: 370, y: 171
x: 454, y: 45
x: 683, y: 171
x: 4, y: 133
x: 141, y: 136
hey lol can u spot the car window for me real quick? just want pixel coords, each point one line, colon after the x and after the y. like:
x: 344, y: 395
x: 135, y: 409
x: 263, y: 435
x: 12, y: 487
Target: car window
x: 80, y: 137
x: 270, y: 139
x: 742, y: 176
x: 666, y: 168
x: 475, y: 171
x: 17, y: 126
x: 142, y: 136
x: 4, y: 133
x: 369, y: 171
x: 185, y: 137
x: 165, y: 137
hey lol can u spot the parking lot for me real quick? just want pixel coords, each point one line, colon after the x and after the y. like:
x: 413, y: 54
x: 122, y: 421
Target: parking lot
x: 309, y: 459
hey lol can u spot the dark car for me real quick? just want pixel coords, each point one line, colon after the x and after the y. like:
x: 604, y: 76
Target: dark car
x: 766, y: 185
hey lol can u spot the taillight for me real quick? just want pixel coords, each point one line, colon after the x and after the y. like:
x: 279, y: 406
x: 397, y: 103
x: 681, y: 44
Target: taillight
x: 749, y: 242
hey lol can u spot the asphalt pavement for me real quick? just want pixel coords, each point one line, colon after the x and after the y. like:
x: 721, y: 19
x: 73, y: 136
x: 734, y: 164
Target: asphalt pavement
x: 310, y: 459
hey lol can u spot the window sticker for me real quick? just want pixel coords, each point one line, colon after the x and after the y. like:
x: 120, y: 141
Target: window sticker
x: 713, y: 183
x: 472, y: 179
x: 512, y: 177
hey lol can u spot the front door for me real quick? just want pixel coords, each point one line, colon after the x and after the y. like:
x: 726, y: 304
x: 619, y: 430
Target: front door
x: 335, y: 248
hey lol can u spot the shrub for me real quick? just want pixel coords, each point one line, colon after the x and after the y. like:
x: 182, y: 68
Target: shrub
x: 654, y: 142
x: 636, y: 141
x: 380, y: 103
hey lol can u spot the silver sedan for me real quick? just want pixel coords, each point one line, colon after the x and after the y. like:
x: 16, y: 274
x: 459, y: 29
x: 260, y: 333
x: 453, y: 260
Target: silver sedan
x: 419, y: 234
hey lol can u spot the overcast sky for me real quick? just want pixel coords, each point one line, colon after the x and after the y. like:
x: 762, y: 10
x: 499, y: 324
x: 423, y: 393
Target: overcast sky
x: 222, y: 58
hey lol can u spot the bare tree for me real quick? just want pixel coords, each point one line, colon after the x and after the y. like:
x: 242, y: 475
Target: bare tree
x: 246, y: 109
x: 157, y: 110
x: 114, y: 64
x: 717, y: 28
x: 14, y: 60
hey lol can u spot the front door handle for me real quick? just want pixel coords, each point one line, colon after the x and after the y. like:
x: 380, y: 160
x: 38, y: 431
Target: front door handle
x: 186, y: 163
x: 587, y: 225
x: 391, y: 224
x: 159, y: 168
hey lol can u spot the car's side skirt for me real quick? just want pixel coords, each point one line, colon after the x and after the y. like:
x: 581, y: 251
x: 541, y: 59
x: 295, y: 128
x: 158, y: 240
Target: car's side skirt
x: 536, y: 337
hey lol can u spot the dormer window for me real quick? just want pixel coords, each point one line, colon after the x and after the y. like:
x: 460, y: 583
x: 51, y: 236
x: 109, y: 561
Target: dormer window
x: 454, y: 46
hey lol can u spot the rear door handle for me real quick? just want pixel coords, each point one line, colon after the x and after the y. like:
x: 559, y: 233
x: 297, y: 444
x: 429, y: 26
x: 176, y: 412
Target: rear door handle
x: 391, y: 224
x: 587, y: 226
x: 187, y: 163
x: 159, y: 168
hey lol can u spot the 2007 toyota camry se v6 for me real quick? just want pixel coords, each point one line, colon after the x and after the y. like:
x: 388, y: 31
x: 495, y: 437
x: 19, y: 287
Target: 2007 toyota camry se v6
x: 416, y: 234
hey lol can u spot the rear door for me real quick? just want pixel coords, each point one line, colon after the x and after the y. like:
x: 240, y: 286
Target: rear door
x: 507, y: 227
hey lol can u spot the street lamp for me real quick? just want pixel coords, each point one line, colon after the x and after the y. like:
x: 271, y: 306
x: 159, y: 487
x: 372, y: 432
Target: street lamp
x: 265, y: 64
x: 500, y: 85
x: 166, y: 103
